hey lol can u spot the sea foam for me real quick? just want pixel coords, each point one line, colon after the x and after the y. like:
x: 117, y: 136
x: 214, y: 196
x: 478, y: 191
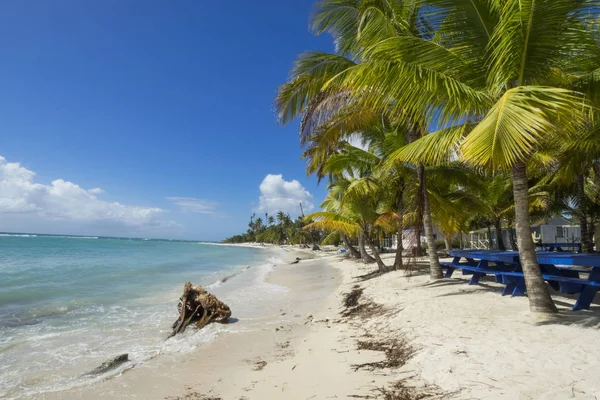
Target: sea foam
x: 70, y: 305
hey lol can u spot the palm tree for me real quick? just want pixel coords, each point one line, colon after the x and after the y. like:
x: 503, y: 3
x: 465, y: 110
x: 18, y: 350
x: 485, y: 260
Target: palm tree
x: 495, y: 195
x: 338, y: 217
x: 354, y: 161
x: 314, y: 94
x: 282, y: 218
x: 498, y: 80
x: 571, y: 181
x: 529, y: 46
x: 453, y: 202
x: 497, y: 77
x: 355, y: 206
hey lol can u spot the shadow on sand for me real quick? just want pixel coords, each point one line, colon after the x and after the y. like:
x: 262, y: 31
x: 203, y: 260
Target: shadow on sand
x: 587, y: 318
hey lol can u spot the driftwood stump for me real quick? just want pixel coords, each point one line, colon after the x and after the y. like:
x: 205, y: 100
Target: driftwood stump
x: 197, y: 306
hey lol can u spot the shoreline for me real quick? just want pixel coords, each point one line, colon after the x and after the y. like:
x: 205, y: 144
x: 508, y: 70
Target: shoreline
x: 459, y: 341
x: 227, y: 354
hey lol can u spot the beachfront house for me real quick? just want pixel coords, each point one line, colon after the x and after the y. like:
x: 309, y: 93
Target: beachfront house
x: 409, y: 238
x: 557, y: 230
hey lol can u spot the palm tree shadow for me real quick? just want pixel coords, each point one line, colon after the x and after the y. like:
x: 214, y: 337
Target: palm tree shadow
x: 445, y: 282
x: 587, y: 319
x: 370, y: 275
x: 409, y: 271
x: 566, y: 316
x: 475, y: 288
x: 412, y: 273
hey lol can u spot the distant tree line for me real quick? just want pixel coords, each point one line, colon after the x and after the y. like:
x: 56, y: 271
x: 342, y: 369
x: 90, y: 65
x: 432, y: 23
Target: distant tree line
x: 279, y: 229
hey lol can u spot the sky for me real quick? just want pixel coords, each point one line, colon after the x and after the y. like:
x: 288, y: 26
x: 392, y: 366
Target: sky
x: 149, y: 118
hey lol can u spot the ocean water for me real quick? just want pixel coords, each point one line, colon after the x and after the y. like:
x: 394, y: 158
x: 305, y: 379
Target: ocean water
x: 67, y: 304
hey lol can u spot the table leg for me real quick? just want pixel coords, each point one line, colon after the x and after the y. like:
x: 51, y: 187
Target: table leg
x: 500, y: 277
x: 588, y: 293
x: 585, y: 298
x: 519, y: 289
x: 477, y: 275
x: 450, y: 271
x: 510, y: 282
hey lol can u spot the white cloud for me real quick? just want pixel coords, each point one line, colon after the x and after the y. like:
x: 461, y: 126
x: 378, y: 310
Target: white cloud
x: 277, y: 194
x: 28, y: 205
x: 357, y: 141
x: 193, y: 205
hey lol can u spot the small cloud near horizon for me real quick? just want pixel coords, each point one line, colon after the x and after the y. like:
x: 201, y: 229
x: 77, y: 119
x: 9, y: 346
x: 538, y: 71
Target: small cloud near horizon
x: 194, y: 205
x: 277, y: 194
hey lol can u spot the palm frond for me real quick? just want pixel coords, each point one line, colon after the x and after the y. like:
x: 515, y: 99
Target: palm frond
x: 436, y: 148
x: 519, y: 122
x: 311, y: 71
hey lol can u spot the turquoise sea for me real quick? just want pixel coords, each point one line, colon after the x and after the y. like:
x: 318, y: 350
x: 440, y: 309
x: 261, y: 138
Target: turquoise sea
x: 69, y: 303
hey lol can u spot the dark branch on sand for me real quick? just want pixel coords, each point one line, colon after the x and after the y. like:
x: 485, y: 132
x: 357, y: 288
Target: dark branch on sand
x: 199, y: 307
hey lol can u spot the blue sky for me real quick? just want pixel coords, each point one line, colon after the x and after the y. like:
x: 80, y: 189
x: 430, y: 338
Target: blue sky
x: 162, y: 107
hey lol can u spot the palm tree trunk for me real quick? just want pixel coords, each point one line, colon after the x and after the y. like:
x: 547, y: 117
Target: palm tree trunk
x: 420, y: 210
x: 411, y: 136
x: 592, y: 230
x: 586, y: 237
x: 447, y: 244
x: 537, y: 291
x: 367, y: 259
x: 511, y: 237
x: 355, y: 253
x: 489, y: 232
x: 418, y: 244
x: 400, y: 220
x: 499, y: 237
x: 380, y: 264
x: 462, y: 244
x: 419, y: 227
x: 435, y: 270
x: 398, y: 261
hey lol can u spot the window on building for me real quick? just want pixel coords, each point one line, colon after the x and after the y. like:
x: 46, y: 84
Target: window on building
x: 559, y: 232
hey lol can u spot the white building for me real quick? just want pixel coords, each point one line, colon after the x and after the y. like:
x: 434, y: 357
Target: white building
x: 557, y: 230
x: 409, y: 238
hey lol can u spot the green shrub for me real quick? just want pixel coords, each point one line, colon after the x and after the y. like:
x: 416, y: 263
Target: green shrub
x: 333, y: 238
x: 440, y: 245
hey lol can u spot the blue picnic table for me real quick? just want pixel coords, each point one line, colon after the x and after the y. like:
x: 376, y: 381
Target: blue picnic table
x: 561, y: 270
x: 575, y: 246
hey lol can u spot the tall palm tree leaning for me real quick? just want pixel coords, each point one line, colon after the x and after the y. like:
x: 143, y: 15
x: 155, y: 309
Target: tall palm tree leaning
x: 318, y: 87
x: 354, y: 161
x: 507, y: 94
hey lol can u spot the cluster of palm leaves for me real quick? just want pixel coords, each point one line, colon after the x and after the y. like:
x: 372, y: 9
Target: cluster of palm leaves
x: 450, y: 98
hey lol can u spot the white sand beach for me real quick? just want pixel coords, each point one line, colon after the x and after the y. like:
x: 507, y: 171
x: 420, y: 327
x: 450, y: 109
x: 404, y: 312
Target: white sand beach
x: 467, y: 342
x: 156, y: 155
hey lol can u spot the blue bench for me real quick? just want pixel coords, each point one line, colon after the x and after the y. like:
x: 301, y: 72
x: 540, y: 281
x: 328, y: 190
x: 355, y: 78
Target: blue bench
x: 560, y: 270
x: 560, y: 246
x: 512, y: 279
